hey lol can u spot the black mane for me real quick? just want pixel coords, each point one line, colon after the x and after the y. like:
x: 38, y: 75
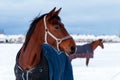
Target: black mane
x: 31, y: 29
x: 33, y: 26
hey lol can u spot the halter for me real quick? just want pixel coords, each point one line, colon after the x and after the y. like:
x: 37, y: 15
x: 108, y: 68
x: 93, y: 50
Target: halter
x: 58, y: 41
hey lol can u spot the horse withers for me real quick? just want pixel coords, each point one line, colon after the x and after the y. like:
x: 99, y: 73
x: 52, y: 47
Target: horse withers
x: 31, y: 62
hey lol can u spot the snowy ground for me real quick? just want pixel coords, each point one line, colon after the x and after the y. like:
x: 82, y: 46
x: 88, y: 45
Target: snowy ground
x: 104, y: 66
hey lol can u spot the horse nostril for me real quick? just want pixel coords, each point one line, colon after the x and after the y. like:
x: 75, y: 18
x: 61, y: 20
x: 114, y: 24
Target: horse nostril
x: 72, y: 50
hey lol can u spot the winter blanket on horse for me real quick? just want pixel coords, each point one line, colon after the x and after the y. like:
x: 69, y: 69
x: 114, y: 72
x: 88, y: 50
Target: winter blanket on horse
x: 55, y: 64
x: 84, y: 51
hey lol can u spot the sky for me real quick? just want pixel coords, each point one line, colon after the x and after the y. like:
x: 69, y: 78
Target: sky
x: 97, y: 17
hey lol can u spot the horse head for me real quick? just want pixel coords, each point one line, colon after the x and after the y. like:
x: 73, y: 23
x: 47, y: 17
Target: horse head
x: 56, y: 34
x: 100, y: 41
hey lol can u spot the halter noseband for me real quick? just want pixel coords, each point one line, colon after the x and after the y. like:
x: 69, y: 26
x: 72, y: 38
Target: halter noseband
x: 58, y: 41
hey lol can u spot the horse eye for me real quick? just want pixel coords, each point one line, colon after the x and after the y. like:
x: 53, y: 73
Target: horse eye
x: 57, y: 26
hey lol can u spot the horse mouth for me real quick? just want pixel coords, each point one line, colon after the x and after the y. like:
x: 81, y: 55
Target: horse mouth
x: 70, y: 51
x: 73, y: 49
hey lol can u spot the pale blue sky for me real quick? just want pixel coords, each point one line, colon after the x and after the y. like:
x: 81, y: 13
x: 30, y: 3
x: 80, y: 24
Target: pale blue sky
x: 79, y: 16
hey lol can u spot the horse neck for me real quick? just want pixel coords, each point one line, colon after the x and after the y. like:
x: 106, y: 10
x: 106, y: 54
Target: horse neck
x: 30, y: 57
x: 94, y: 45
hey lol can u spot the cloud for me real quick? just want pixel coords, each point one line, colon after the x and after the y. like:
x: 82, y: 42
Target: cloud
x: 79, y: 13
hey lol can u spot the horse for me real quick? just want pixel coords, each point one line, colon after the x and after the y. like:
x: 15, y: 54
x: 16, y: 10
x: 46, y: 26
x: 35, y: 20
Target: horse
x: 87, y: 50
x: 45, y: 29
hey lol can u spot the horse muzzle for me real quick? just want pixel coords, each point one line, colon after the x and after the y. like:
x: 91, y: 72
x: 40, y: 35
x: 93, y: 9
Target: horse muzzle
x: 69, y: 47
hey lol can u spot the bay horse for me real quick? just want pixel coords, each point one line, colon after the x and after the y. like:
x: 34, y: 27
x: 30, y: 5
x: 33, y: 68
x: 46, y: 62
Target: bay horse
x: 49, y: 29
x: 87, y: 50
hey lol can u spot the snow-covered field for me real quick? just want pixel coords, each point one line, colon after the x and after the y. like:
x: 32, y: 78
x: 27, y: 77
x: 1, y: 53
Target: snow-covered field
x: 104, y: 66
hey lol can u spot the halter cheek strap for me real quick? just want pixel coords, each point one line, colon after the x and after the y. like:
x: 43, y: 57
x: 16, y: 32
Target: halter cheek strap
x: 58, y: 41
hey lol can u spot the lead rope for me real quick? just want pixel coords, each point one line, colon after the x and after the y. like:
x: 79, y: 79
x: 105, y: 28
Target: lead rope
x: 58, y: 41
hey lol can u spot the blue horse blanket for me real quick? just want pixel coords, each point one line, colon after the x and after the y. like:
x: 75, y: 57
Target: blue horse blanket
x: 59, y: 64
x: 84, y: 51
x: 54, y: 65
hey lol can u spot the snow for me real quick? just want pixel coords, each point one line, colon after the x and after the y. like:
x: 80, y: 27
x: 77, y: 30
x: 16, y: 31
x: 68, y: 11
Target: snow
x: 12, y: 38
x: 104, y: 66
x: 77, y: 38
x: 86, y: 38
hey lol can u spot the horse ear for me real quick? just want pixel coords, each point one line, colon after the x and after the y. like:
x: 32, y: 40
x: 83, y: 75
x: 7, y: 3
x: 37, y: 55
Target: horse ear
x: 57, y: 12
x: 51, y: 13
x: 101, y: 39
